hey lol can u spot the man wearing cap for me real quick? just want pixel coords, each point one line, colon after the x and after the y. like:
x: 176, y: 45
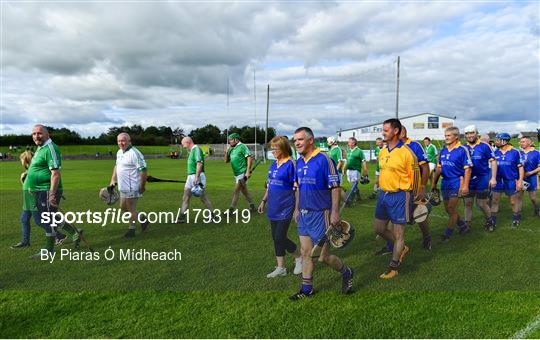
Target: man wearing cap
x: 355, y: 162
x: 531, y: 167
x: 510, y: 175
x: 239, y: 156
x: 481, y: 181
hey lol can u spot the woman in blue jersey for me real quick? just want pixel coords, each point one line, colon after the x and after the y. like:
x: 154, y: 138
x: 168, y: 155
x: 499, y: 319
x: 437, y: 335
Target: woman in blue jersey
x: 280, y: 201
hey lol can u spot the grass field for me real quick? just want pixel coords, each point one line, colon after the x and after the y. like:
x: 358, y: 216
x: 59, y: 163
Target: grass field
x: 479, y: 285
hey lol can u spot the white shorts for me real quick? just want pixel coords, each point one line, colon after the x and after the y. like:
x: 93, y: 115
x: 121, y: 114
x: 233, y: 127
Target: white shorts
x: 190, y: 181
x: 353, y: 175
x: 239, y: 178
x: 431, y: 166
x: 130, y: 194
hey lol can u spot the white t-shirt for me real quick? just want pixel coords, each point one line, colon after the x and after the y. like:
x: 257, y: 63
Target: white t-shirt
x: 129, y: 165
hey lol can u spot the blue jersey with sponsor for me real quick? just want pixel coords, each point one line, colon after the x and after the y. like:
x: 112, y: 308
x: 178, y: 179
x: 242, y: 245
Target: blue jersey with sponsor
x: 481, y: 155
x: 508, y: 163
x: 453, y: 162
x: 531, y: 160
x: 315, y: 176
x: 281, y: 198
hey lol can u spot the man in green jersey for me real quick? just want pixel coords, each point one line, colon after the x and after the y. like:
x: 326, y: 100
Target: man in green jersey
x: 355, y: 162
x: 195, y: 175
x: 239, y: 156
x: 379, y: 145
x: 431, y: 152
x: 336, y: 153
x: 44, y: 184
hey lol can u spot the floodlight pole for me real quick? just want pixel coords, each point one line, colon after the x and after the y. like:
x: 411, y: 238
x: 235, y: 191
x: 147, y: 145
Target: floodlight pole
x: 255, y: 107
x: 397, y: 90
x: 266, y: 130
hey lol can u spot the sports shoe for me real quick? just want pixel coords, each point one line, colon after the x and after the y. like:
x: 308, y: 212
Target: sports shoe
x: 77, y: 240
x: 301, y: 295
x: 373, y: 195
x: 383, y: 251
x: 491, y: 227
x: 60, y: 239
x: 389, y: 274
x: 144, y: 226
x: 38, y: 254
x: 20, y: 245
x: 465, y: 230
x: 130, y: 233
x: 515, y: 224
x: 279, y: 271
x: 445, y: 238
x: 297, y: 266
x: 252, y: 207
x: 403, y: 253
x: 347, y: 281
x: 426, y: 243
x: 537, y: 212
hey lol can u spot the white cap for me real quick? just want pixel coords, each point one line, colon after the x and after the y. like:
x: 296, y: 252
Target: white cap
x: 330, y: 140
x: 470, y: 128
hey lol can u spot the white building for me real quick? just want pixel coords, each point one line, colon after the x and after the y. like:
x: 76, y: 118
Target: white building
x: 418, y: 127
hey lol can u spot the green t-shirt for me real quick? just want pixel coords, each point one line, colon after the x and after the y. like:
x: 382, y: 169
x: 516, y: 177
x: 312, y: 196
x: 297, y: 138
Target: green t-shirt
x: 354, y: 159
x: 238, y: 156
x: 46, y: 158
x: 336, y: 154
x: 195, y: 155
x: 377, y: 150
x: 432, y: 153
x: 29, y: 201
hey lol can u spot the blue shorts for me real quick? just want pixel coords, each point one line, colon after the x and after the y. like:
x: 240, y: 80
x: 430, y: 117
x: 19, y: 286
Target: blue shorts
x: 479, y: 186
x: 450, y: 187
x: 508, y: 186
x: 394, y: 206
x: 533, y: 182
x: 313, y: 223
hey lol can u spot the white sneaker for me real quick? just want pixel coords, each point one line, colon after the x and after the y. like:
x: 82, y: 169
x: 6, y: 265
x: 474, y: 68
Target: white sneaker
x: 298, y: 265
x: 277, y: 272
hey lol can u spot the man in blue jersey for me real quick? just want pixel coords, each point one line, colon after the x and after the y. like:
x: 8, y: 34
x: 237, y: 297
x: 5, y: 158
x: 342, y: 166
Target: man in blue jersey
x: 317, y: 207
x: 531, y: 167
x: 509, y: 178
x: 455, y: 167
x: 482, y: 157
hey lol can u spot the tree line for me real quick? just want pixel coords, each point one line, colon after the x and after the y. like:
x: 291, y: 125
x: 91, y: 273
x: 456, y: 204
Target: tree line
x: 152, y: 135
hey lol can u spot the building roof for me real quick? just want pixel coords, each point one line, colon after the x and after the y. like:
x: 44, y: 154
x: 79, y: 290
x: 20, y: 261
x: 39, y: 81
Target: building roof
x: 411, y: 116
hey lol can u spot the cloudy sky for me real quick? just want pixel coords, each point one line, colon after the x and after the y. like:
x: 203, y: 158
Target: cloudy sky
x: 91, y: 65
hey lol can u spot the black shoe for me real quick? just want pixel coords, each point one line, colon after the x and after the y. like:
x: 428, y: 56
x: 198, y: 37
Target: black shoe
x: 445, y: 238
x: 130, y: 233
x: 20, y: 245
x: 60, y: 239
x: 383, y: 251
x: 144, y: 226
x: 347, y: 284
x: 301, y: 295
x: 426, y: 243
x: 252, y: 207
x: 465, y: 230
x: 515, y: 224
x: 537, y: 212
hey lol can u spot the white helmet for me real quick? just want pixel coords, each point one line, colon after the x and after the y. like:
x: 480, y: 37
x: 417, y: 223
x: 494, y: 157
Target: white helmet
x: 330, y: 140
x: 470, y: 128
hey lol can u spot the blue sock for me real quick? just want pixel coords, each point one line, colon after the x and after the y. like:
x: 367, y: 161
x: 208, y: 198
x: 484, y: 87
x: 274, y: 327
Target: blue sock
x: 460, y: 223
x: 494, y: 219
x: 307, y: 285
x: 390, y: 245
x: 448, y: 232
x: 516, y: 217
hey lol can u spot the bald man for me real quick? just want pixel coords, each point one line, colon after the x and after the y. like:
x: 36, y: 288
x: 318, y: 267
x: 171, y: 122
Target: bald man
x: 43, y: 187
x: 129, y: 174
x: 195, y: 176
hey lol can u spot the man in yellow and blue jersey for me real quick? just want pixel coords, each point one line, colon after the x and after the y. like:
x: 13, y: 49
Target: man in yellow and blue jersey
x: 394, y: 204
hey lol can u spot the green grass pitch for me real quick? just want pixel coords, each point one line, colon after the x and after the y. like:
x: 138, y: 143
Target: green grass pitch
x: 479, y: 285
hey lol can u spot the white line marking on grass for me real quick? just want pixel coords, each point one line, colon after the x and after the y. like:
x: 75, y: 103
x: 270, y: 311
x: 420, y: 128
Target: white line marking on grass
x: 531, y: 327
